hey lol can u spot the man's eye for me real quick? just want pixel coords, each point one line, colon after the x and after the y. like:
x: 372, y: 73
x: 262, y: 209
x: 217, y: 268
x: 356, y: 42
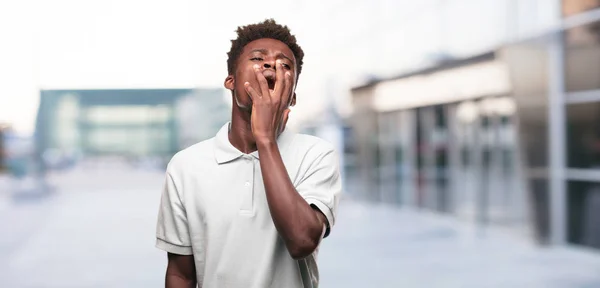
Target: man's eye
x: 286, y: 66
x: 256, y: 59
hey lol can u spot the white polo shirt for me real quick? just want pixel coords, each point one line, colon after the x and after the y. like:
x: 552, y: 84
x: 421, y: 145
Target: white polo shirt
x: 214, y: 207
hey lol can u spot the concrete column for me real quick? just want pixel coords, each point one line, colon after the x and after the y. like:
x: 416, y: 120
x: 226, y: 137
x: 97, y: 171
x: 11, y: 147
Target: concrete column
x: 557, y: 138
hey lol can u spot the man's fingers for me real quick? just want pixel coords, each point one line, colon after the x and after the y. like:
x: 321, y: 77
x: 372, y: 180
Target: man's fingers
x: 280, y: 78
x: 255, y: 96
x: 262, y: 81
x: 287, y: 92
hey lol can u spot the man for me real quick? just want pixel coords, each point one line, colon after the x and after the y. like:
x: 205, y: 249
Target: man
x: 249, y: 207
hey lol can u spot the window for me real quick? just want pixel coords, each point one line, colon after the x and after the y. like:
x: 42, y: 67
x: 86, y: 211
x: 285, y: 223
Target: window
x: 583, y: 135
x: 584, y: 213
x: 582, y: 58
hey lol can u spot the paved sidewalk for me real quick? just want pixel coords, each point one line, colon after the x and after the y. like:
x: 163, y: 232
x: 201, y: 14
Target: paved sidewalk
x: 383, y: 246
x: 5, y: 187
x: 98, y: 231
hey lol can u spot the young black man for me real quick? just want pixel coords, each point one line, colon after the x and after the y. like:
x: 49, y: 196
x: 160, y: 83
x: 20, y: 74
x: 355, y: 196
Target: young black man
x: 249, y: 207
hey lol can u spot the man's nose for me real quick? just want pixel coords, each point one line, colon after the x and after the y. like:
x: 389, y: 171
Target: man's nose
x: 270, y: 64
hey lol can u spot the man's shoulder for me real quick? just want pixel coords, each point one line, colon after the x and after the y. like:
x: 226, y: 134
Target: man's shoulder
x: 305, y: 143
x: 196, y: 154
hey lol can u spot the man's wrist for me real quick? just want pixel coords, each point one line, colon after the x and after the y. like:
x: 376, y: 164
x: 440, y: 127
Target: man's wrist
x: 265, y: 142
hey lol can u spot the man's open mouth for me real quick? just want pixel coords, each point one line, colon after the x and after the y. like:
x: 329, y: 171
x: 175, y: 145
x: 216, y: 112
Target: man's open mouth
x: 271, y: 82
x: 270, y: 77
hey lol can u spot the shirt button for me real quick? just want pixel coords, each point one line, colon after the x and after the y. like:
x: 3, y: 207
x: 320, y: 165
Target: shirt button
x: 247, y: 184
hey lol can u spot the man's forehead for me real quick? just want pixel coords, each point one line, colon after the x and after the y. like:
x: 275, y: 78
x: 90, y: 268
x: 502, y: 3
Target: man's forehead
x: 268, y: 45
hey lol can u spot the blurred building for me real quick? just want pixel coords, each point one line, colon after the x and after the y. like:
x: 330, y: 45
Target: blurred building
x: 200, y: 115
x: 509, y: 138
x: 329, y: 126
x: 132, y: 123
x: 3, y: 153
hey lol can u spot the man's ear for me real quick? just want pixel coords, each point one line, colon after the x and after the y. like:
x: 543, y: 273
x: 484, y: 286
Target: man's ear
x: 229, y: 83
x: 293, y: 103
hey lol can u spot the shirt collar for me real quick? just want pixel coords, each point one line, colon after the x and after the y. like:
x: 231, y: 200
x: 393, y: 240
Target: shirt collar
x: 226, y: 152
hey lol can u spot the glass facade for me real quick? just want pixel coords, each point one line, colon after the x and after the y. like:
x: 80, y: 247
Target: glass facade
x: 465, y: 139
x: 584, y: 213
x: 138, y: 130
x: 582, y: 125
x: 529, y: 64
x: 583, y: 140
x: 387, y: 155
x: 129, y: 123
x: 527, y: 159
x: 457, y: 158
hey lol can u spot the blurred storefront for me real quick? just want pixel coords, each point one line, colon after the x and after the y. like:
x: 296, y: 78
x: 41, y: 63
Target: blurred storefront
x: 509, y: 138
x: 443, y: 139
x: 581, y: 111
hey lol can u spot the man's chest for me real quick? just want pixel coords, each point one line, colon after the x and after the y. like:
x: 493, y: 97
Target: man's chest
x: 230, y: 190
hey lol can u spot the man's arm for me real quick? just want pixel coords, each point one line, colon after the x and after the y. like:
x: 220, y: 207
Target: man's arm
x: 173, y: 237
x: 300, y: 226
x: 181, y: 271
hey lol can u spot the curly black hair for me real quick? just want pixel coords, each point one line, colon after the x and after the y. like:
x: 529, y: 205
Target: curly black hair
x: 266, y: 29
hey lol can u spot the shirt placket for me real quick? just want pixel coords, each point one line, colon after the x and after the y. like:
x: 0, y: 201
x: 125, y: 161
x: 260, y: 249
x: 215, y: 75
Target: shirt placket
x: 248, y: 189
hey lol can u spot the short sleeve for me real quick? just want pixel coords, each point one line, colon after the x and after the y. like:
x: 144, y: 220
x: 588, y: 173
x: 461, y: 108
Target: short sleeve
x: 172, y: 233
x: 321, y: 186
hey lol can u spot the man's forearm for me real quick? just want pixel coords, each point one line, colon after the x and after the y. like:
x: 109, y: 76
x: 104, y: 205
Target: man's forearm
x: 296, y: 221
x: 178, y: 282
x: 181, y: 272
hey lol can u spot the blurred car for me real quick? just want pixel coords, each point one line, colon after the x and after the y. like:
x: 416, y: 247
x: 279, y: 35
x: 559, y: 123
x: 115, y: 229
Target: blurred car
x: 2, y: 152
x: 22, y: 167
x: 18, y: 153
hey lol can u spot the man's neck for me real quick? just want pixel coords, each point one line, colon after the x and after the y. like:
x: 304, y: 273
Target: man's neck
x: 240, y: 131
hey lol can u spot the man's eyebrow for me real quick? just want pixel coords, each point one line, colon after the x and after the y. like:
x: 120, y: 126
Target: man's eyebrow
x: 279, y: 55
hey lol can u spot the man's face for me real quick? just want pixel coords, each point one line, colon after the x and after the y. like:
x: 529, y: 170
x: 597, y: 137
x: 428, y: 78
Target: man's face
x: 263, y: 52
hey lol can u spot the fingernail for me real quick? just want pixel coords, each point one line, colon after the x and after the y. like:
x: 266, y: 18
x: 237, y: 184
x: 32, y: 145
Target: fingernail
x: 279, y: 62
x: 246, y: 83
x: 288, y: 74
x: 256, y: 67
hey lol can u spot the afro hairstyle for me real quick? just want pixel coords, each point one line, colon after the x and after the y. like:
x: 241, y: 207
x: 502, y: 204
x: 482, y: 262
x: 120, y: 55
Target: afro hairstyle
x: 266, y: 29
